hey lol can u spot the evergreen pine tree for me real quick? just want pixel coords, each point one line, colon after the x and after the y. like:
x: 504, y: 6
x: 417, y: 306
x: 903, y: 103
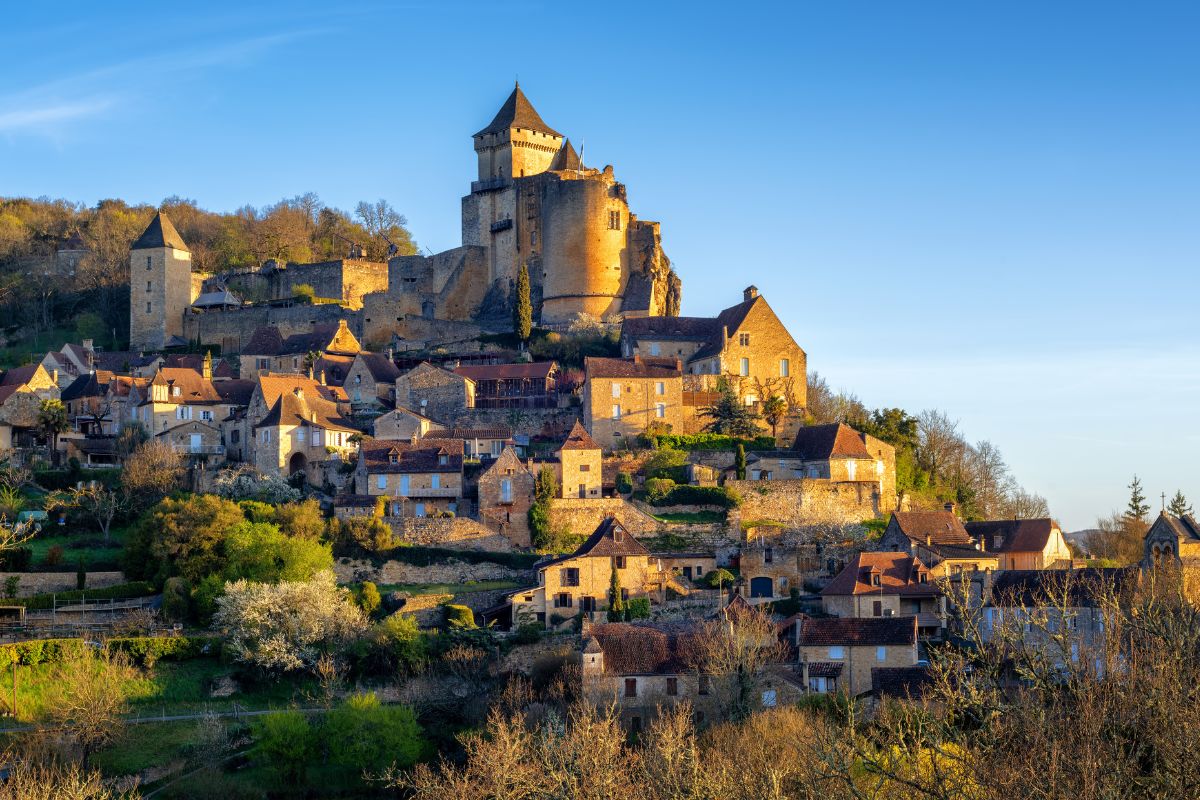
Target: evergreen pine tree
x: 1179, y: 505
x: 522, y: 307
x: 1138, y: 507
x: 739, y: 462
x: 616, y: 606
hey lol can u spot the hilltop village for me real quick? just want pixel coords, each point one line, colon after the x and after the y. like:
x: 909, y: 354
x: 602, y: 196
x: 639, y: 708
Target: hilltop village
x: 595, y: 499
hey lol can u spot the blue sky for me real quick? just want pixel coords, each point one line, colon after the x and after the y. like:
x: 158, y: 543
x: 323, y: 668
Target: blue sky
x: 988, y: 208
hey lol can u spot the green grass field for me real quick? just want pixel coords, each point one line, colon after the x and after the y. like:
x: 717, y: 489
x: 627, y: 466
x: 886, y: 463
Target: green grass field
x: 78, y: 544
x: 693, y: 517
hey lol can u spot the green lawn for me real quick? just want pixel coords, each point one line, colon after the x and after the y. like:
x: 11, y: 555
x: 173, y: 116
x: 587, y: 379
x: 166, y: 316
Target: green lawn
x: 448, y: 588
x: 79, y: 544
x: 692, y: 517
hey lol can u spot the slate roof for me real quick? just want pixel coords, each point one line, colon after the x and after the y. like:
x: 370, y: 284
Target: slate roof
x: 643, y: 649
x: 220, y: 368
x: 159, y: 233
x: 536, y: 370
x: 610, y: 539
x: 856, y: 631
x: 566, y: 158
x: 636, y: 367
x: 940, y: 527
x: 1016, y: 535
x: 116, y: 360
x: 93, y: 384
x: 517, y: 112
x: 898, y: 574
x: 265, y: 341
x: 1032, y: 587
x: 728, y: 320
x: 193, y: 387
x: 822, y: 442
x: 223, y: 297
x: 683, y: 329
x: 420, y: 457
x: 473, y: 433
x: 1184, y: 527
x: 301, y: 408
x: 579, y: 439
x: 19, y: 376
x: 907, y: 682
x: 382, y: 368
x: 236, y: 391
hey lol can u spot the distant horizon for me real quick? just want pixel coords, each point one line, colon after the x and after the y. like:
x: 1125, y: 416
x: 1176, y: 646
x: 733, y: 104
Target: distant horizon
x: 988, y: 211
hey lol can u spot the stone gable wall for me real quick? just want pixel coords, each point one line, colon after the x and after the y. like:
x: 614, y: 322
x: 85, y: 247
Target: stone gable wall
x: 806, y: 502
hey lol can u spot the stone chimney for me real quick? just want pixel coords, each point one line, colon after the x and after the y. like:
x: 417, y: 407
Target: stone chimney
x: 54, y: 376
x: 749, y: 293
x: 299, y: 392
x: 413, y: 439
x: 322, y: 377
x: 950, y: 507
x: 87, y: 345
x: 206, y: 367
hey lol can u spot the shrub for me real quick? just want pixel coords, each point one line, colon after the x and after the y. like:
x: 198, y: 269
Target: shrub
x: 256, y: 511
x: 54, y: 556
x: 693, y: 496
x: 718, y: 578
x: 367, y: 597
x: 459, y: 616
x: 714, y: 441
x: 18, y: 560
x: 529, y: 633
x: 659, y: 489
x: 371, y: 737
x: 624, y: 483
x: 176, y: 599
x: 286, y: 742
x: 637, y: 608
x: 146, y: 651
x: 667, y: 462
x: 39, y: 651
x: 12, y: 584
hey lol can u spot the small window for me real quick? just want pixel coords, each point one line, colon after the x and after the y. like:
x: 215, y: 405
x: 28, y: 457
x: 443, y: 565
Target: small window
x: 705, y: 685
x: 435, y: 482
x: 148, y: 285
x: 301, y: 435
x: 631, y: 687
x: 660, y: 388
x: 672, y: 687
x: 744, y: 339
x: 654, y: 348
x: 585, y: 467
x: 785, y: 368
x: 619, y: 562
x: 877, y: 608
x: 616, y: 411
x: 745, y: 368
x: 147, y: 308
x: 614, y: 220
x: 149, y: 262
x: 568, y: 576
x: 881, y: 653
x: 836, y: 652
x: 660, y: 410
x: 562, y: 600
x: 381, y: 481
x: 443, y: 460
x: 768, y: 698
x: 769, y: 556
x: 876, y: 579
x: 616, y: 390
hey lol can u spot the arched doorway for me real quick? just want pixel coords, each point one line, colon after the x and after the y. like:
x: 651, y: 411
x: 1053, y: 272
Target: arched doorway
x: 762, y: 587
x: 297, y: 463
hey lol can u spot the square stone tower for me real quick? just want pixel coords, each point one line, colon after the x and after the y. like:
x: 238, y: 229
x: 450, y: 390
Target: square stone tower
x: 160, y: 286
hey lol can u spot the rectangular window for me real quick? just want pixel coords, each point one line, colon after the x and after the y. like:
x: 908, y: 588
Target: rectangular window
x: 206, y: 416
x: 562, y: 600
x: 705, y: 684
x: 148, y: 307
x: 768, y: 698
x: 148, y: 287
x: 616, y: 414
x: 769, y: 556
x: 660, y: 388
x: 616, y: 390
x: 631, y: 687
x: 619, y: 562
x: 435, y: 482
x: 744, y: 339
x: 316, y: 437
x: 301, y: 435
x: 785, y: 368
x: 655, y: 349
x: 381, y: 481
x: 506, y: 491
x: 836, y: 652
x: 744, y: 370
x: 568, y: 576
x: 877, y: 608
x: 881, y: 653
x: 660, y: 410
x: 614, y: 220
x: 672, y: 687
x: 585, y: 467
x: 420, y: 510
x: 149, y: 261
x: 817, y: 685
x: 266, y: 435
x: 405, y: 483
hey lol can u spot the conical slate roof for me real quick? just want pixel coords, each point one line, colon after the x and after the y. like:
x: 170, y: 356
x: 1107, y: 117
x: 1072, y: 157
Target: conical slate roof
x: 517, y: 112
x: 566, y: 158
x: 160, y: 233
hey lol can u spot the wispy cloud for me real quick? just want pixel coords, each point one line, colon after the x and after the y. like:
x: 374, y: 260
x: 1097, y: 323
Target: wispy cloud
x: 51, y: 109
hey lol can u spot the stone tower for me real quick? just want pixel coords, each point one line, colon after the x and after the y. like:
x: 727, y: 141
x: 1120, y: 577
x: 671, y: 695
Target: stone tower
x: 160, y: 285
x: 517, y: 143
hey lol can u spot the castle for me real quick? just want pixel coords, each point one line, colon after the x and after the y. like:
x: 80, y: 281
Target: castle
x: 535, y: 204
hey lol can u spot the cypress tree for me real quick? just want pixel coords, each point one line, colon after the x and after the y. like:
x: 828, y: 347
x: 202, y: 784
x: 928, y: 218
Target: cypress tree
x: 739, y: 462
x: 522, y: 307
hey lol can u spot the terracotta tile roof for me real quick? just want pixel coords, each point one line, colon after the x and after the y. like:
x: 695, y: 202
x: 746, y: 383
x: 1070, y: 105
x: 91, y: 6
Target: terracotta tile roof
x: 636, y: 367
x: 159, y: 233
x: 517, y: 112
x: 825, y: 669
x: 536, y: 370
x: 856, y: 631
x: 899, y: 573
x: 940, y: 527
x: 579, y: 439
x: 907, y: 682
x: 1031, y: 588
x: 193, y: 387
x: 644, y: 649
x: 1016, y: 535
x: 608, y: 540
x: 301, y: 408
x: 820, y: 442
x: 277, y: 383
x: 424, y: 456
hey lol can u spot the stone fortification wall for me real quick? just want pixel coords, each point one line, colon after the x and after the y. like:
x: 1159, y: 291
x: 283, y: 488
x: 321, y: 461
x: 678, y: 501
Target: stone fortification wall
x: 231, y: 328
x: 457, y: 533
x: 583, y: 516
x: 807, y: 502
x: 390, y: 572
x: 45, y: 582
x: 553, y: 423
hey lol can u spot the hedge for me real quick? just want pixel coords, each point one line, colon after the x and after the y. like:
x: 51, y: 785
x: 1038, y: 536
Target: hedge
x: 122, y: 591
x: 697, y: 496
x: 39, y: 651
x: 459, y: 616
x: 714, y: 441
x: 145, y: 651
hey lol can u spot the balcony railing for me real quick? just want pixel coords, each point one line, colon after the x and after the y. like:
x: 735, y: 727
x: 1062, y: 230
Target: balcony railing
x: 200, y: 450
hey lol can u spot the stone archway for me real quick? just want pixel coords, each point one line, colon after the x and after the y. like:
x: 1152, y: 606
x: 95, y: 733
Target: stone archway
x: 297, y: 463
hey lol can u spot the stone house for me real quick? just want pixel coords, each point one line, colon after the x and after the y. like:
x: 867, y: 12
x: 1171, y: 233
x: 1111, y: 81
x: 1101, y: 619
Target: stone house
x: 938, y: 539
x: 505, y: 495
x: 746, y: 343
x: 301, y: 430
x: 839, y: 654
x: 176, y: 395
x: 580, y: 581
x: 435, y: 392
x: 622, y: 397
x: 22, y: 390
x: 269, y: 351
x: 836, y: 453
x: 1172, y: 539
x: 371, y: 380
x: 419, y: 478
x: 197, y: 441
x: 1035, y: 608
x: 401, y: 424
x: 89, y: 402
x: 1023, y: 543
x: 520, y: 385
x: 580, y: 473
x: 887, y: 585
x: 483, y: 444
